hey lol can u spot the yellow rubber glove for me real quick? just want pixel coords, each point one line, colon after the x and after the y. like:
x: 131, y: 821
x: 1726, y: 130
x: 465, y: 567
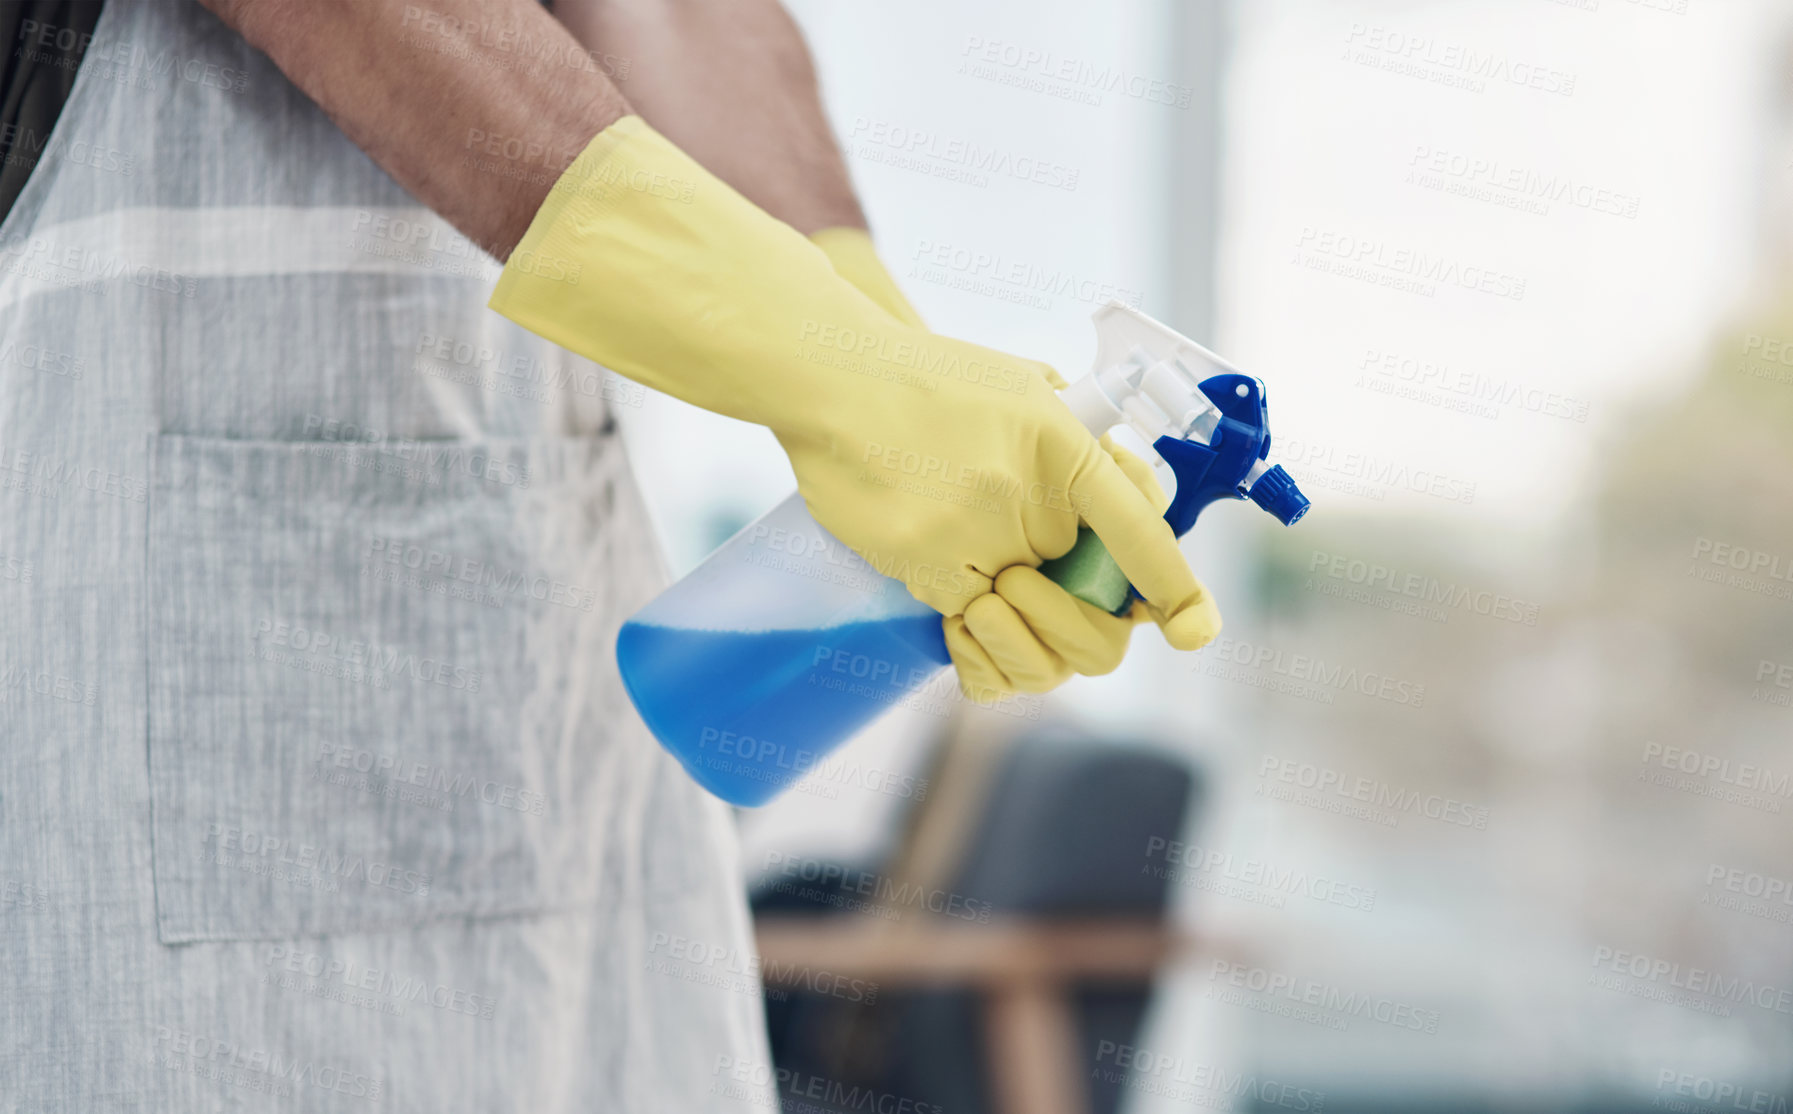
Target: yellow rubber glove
x: 940, y: 462
x: 1028, y: 634
x: 855, y: 259
x: 1031, y: 635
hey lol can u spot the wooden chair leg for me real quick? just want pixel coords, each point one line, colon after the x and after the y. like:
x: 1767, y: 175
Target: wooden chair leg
x: 1035, y: 1066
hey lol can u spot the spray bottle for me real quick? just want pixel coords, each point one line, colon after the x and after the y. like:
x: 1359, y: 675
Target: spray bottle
x: 784, y: 643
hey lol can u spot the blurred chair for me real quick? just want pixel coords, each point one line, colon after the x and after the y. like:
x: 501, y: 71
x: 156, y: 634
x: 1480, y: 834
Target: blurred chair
x: 1050, y: 931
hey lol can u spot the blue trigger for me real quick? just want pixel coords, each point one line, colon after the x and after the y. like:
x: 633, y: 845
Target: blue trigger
x: 1191, y: 462
x: 1217, y: 470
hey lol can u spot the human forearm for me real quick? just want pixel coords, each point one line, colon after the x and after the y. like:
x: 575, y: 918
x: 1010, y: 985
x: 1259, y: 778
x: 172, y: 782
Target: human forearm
x: 422, y: 100
x: 731, y: 82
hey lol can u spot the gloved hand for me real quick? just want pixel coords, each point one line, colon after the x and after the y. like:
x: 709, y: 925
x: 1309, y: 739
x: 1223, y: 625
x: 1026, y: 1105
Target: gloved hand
x: 855, y: 259
x: 1028, y: 634
x: 940, y: 462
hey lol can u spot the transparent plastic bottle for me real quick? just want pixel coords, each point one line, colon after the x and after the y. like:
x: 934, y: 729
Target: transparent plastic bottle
x: 779, y: 647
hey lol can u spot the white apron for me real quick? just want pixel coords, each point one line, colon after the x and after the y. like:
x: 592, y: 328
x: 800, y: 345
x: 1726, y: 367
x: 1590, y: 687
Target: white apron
x: 318, y: 788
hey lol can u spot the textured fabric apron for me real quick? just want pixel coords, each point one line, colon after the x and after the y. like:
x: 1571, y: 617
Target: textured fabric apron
x: 318, y: 788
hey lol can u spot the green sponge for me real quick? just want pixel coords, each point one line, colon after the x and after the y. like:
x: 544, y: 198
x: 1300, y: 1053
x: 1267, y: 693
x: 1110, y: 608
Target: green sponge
x: 1090, y: 574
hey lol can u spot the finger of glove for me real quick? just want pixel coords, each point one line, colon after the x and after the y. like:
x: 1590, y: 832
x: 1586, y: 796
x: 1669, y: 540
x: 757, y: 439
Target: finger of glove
x: 1142, y: 543
x: 949, y: 595
x: 1146, y: 480
x: 1026, y: 662
x: 1140, y: 471
x: 1088, y: 639
x: 979, y: 678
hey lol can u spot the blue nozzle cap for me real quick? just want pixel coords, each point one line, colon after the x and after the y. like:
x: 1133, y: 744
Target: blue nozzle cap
x: 1276, y: 492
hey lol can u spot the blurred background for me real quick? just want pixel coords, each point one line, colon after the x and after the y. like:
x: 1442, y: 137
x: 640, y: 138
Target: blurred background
x: 1482, y: 800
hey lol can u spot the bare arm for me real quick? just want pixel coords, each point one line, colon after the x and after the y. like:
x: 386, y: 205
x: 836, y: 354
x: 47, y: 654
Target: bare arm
x: 730, y: 82
x: 427, y: 88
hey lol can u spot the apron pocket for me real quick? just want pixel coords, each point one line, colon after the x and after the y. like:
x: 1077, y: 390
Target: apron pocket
x: 381, y: 687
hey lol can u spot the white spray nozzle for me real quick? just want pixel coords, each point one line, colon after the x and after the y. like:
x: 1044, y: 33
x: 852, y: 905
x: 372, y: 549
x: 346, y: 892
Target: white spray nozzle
x: 1147, y: 376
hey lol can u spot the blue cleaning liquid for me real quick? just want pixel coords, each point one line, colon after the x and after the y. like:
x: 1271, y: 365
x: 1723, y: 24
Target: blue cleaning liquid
x: 750, y: 712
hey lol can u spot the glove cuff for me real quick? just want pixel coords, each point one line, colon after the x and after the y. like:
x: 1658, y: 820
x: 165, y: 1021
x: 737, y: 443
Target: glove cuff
x: 644, y: 261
